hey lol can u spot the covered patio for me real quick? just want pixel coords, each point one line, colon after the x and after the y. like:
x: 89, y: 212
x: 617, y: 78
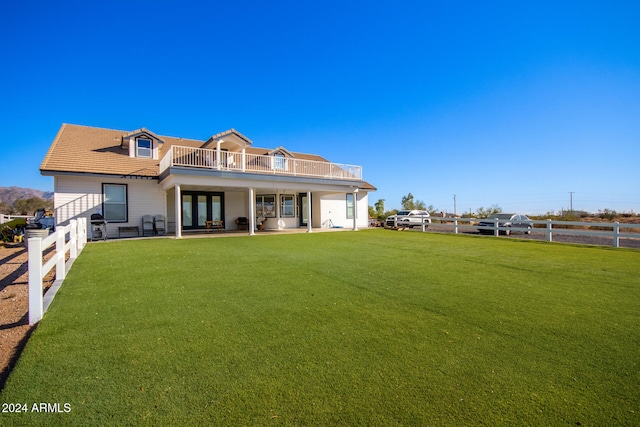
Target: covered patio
x: 193, y: 208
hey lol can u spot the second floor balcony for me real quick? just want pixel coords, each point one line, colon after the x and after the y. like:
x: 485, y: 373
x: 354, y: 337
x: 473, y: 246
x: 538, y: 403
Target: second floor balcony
x: 202, y: 158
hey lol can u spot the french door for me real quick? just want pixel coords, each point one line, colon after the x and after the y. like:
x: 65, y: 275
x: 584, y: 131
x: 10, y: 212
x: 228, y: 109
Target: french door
x: 199, y: 207
x: 303, y: 206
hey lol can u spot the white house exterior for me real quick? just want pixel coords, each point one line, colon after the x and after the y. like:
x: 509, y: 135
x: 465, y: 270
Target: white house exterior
x: 126, y: 175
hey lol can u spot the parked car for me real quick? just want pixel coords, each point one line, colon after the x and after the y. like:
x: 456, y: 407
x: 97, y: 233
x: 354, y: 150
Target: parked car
x: 512, y: 222
x: 408, y: 218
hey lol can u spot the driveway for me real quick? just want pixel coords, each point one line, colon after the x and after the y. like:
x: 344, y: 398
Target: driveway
x: 542, y: 235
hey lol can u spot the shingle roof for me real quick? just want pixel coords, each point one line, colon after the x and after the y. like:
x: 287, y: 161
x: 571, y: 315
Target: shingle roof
x: 141, y: 132
x: 228, y: 132
x: 84, y: 149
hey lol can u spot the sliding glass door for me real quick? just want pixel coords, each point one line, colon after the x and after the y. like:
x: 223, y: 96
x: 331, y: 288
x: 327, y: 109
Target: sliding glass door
x: 199, y: 207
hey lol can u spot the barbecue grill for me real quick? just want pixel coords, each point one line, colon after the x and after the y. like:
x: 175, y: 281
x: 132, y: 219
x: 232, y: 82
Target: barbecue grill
x: 98, y: 227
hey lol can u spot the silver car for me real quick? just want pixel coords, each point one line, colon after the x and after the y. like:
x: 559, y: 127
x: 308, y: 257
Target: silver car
x: 512, y: 223
x: 409, y: 218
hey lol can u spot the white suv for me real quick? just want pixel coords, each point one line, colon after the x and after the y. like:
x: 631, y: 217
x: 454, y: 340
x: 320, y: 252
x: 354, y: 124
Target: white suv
x: 409, y: 218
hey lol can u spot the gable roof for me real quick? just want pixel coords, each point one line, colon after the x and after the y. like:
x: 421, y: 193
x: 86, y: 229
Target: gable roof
x: 136, y: 133
x: 231, y: 131
x: 281, y: 150
x: 80, y: 149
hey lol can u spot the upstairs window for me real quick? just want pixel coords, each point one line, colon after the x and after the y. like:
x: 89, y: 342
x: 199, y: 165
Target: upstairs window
x: 143, y: 148
x: 280, y: 162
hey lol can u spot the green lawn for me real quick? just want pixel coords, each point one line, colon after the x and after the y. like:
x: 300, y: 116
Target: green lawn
x: 348, y: 328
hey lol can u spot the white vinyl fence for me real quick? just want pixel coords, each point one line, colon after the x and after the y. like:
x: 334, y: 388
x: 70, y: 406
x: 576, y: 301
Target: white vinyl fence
x: 549, y: 227
x: 72, y: 239
x: 6, y: 218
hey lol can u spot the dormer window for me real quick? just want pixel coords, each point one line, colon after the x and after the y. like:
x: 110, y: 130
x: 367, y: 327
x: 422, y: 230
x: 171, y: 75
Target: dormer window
x: 142, y: 143
x: 143, y: 148
x: 280, y: 162
x: 280, y: 159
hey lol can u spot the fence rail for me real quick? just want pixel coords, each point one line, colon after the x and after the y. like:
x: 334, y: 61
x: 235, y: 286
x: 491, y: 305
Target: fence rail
x: 613, y: 230
x: 6, y: 218
x: 71, y: 238
x: 202, y: 158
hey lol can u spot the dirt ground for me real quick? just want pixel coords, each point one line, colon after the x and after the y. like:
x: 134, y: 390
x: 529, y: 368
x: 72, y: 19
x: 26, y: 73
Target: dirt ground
x: 14, y: 305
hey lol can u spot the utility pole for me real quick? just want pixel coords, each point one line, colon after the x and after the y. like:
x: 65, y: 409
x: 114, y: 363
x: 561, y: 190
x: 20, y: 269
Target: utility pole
x: 571, y: 201
x: 454, y: 205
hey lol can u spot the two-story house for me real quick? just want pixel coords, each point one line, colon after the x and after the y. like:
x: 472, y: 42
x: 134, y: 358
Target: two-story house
x: 125, y: 175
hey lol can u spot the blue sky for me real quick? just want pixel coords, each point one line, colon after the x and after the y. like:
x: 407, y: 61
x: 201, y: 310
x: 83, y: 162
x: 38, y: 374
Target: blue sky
x: 509, y: 103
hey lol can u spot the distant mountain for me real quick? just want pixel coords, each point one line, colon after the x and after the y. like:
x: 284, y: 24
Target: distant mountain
x: 9, y: 195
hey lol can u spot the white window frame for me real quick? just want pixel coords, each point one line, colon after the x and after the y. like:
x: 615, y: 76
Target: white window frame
x: 262, y: 212
x: 350, y: 205
x: 122, y: 203
x: 283, y: 199
x: 279, y: 162
x: 141, y: 151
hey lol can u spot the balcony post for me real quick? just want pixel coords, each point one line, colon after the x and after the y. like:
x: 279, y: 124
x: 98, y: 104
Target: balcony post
x: 244, y: 160
x: 218, y: 153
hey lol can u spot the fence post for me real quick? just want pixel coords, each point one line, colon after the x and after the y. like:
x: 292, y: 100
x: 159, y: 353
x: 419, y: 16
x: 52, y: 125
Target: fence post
x: 60, y: 255
x: 36, y: 305
x: 82, y: 233
x: 423, y: 228
x: 616, y: 234
x: 73, y: 239
x: 549, y: 232
x: 496, y: 230
x: 455, y: 225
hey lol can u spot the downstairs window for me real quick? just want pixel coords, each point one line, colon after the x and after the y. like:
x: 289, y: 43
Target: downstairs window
x: 114, y: 206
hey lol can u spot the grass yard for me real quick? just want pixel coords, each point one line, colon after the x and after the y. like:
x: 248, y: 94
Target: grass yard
x: 347, y: 328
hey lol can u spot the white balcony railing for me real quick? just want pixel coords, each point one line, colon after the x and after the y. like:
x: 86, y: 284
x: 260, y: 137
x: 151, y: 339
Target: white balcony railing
x: 251, y: 163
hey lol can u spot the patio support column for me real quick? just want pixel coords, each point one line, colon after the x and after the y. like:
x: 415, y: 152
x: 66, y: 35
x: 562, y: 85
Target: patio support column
x: 355, y: 210
x: 308, y: 211
x: 252, y: 212
x: 178, y: 212
x: 166, y: 213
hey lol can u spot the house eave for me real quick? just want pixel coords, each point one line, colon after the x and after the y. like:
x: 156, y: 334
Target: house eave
x: 96, y: 175
x: 257, y: 178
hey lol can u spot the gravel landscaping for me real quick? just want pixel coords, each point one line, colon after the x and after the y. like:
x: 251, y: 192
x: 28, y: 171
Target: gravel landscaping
x: 14, y: 305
